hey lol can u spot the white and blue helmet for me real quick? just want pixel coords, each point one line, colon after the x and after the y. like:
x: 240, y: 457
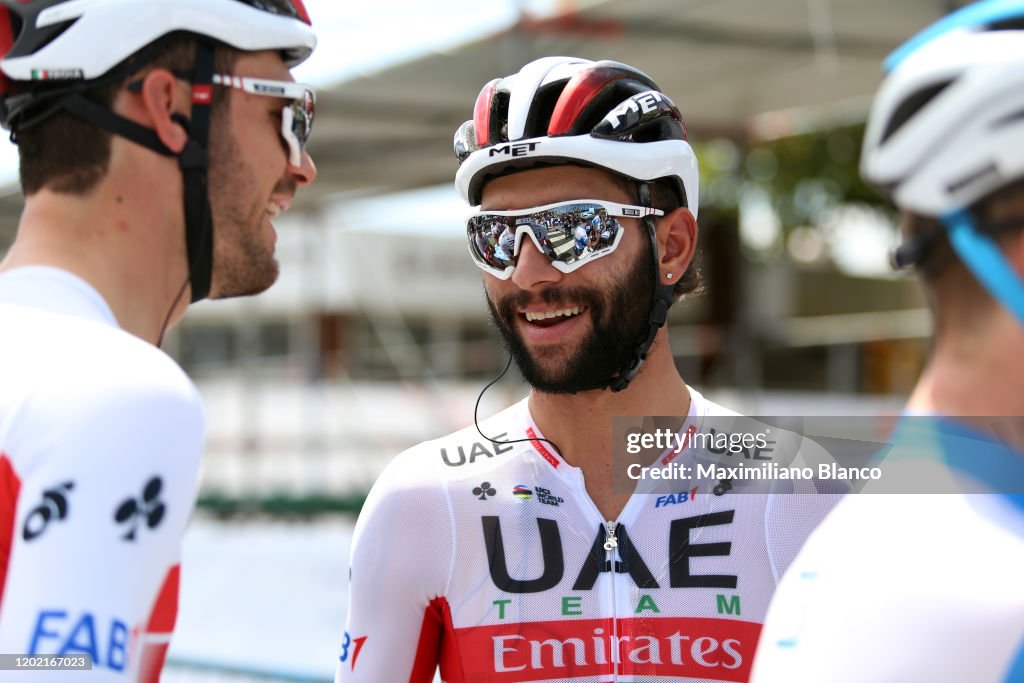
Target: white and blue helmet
x: 947, y: 130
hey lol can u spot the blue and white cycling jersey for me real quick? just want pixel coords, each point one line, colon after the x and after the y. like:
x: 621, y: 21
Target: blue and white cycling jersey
x: 910, y: 587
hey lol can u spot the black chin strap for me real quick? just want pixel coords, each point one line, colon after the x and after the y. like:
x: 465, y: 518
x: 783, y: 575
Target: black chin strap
x: 194, y: 163
x: 664, y: 297
x: 193, y: 160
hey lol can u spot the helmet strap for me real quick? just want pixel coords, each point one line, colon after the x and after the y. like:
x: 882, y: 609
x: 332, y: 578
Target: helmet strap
x: 193, y: 160
x: 664, y: 297
x: 986, y: 261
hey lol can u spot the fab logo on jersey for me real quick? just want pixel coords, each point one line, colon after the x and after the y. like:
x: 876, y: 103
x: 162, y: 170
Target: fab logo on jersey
x: 676, y: 498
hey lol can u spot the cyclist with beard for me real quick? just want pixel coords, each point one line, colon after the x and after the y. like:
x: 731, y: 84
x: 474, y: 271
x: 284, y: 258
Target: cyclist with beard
x: 157, y: 140
x: 495, y: 553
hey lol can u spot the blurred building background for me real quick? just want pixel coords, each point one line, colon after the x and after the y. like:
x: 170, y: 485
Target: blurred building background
x: 376, y: 336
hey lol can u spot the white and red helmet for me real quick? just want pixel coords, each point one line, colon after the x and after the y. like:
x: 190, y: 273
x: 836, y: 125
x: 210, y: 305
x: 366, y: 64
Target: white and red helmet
x: 560, y: 110
x: 83, y: 39
x: 58, y: 50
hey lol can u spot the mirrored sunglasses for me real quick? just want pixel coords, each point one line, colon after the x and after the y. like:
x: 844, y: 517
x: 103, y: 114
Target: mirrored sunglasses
x: 570, y: 234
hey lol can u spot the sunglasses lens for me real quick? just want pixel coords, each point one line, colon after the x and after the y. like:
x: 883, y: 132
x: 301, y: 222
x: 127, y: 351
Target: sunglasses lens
x: 302, y: 117
x: 492, y: 241
x: 570, y: 234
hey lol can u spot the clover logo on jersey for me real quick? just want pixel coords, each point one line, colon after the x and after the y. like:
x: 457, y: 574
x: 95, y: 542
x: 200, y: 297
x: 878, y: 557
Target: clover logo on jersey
x: 53, y: 508
x: 483, y: 490
x: 148, y: 508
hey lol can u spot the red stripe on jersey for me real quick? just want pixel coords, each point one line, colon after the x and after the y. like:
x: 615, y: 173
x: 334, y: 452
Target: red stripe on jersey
x: 437, y: 646
x: 165, y: 609
x: 578, y: 93
x: 9, y: 487
x: 677, y: 647
x: 544, y: 452
x: 159, y: 627
x: 674, y: 453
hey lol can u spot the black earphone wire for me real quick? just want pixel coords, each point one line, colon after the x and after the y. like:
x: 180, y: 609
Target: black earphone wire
x: 476, y: 410
x: 170, y: 311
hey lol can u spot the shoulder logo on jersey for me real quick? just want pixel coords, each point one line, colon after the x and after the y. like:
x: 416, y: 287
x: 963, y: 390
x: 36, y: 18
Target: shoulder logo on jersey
x: 600, y: 558
x: 676, y: 498
x: 146, y: 508
x: 479, y: 449
x: 350, y: 647
x: 54, y: 508
x: 522, y: 492
x: 544, y: 496
x: 484, y: 490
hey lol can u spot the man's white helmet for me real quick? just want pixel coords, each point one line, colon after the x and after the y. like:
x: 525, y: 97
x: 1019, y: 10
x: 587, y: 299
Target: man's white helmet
x: 559, y: 110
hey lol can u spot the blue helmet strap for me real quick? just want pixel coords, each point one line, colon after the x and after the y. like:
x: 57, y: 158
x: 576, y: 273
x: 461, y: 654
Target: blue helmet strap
x: 984, y: 259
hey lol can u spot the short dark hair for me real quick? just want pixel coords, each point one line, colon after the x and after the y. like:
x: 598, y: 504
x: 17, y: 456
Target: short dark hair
x: 69, y: 155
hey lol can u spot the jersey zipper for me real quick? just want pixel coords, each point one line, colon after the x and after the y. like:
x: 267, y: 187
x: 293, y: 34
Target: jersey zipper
x: 611, y: 544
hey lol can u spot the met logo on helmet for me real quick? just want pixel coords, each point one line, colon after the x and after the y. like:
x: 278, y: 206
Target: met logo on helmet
x: 519, y: 149
x: 637, y: 108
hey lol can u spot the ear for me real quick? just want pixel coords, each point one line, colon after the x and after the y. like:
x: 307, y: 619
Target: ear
x: 162, y: 98
x: 677, y: 243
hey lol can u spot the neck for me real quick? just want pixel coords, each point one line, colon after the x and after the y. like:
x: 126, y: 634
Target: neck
x: 581, y: 424
x: 975, y: 375
x: 123, y: 238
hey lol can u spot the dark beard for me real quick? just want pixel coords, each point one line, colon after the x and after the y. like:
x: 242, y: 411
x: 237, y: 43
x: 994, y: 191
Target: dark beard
x: 243, y: 265
x: 619, y: 323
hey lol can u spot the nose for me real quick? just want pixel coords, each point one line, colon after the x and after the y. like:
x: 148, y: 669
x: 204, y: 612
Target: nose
x: 533, y: 269
x: 305, y: 172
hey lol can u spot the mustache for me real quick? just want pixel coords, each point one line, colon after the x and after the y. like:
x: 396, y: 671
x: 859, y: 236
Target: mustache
x: 552, y: 297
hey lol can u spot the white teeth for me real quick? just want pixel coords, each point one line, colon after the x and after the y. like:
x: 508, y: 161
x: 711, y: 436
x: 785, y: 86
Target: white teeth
x: 273, y: 209
x: 543, y: 315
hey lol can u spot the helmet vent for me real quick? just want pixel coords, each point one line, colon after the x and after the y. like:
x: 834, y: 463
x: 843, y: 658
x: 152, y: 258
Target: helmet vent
x: 499, y: 117
x: 542, y: 107
x: 911, y: 106
x: 1010, y: 119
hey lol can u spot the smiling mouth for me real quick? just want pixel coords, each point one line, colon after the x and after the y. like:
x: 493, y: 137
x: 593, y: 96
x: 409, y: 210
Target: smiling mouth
x: 549, y: 318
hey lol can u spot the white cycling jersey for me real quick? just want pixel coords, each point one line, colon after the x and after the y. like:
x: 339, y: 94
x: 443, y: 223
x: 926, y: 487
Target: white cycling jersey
x: 899, y: 586
x: 100, y: 440
x: 491, y: 561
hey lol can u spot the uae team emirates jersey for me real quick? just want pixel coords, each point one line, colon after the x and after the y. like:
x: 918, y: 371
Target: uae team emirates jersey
x: 491, y: 562
x: 100, y: 439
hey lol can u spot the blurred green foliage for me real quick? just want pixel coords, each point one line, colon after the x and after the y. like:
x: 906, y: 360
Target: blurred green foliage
x: 802, y: 174
x: 280, y: 505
